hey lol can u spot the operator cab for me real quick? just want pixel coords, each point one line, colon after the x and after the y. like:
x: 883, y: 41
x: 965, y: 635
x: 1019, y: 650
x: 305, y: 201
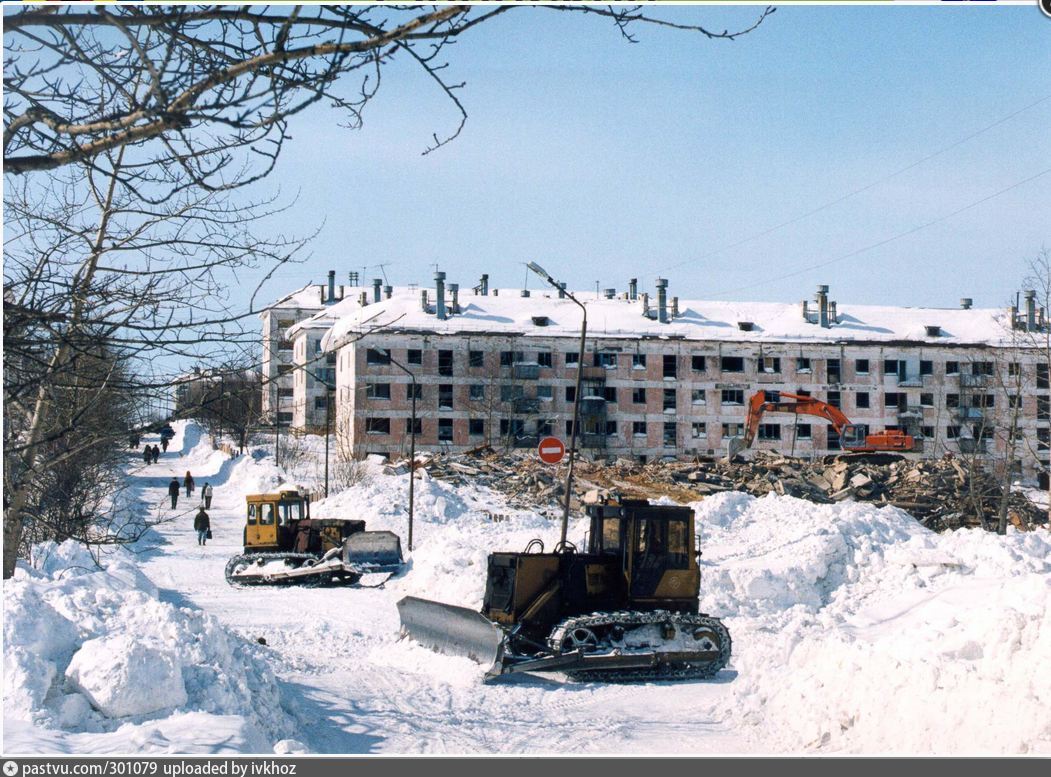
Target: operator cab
x: 272, y: 519
x: 853, y: 436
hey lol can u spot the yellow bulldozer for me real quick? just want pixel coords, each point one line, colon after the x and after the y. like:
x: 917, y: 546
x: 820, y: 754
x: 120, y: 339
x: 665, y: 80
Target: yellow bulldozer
x: 625, y: 610
x: 283, y: 545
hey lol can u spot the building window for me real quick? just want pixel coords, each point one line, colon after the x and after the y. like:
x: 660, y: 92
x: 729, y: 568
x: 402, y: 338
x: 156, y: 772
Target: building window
x: 804, y: 432
x: 544, y: 359
x: 861, y: 400
x: 638, y: 396
x: 544, y: 428
x: 514, y: 427
x: 638, y: 428
x: 638, y: 361
x: 415, y: 356
x: 611, y: 428
x: 1043, y: 439
x: 604, y: 359
x: 545, y: 393
x: 835, y: 399
x: 284, y: 345
x: 698, y: 363
x: 803, y: 364
x: 477, y: 392
x: 769, y: 431
x: 927, y: 431
x: 926, y: 367
x: 894, y: 399
x: 697, y: 397
x: 284, y: 369
x: 952, y: 400
x: 1041, y: 376
x: 670, y: 434
x: 1014, y: 401
x: 982, y: 368
x: 732, y: 364
x: 890, y: 367
x: 609, y: 393
x: 926, y: 400
x: 326, y: 375
x: 445, y: 397
x: 445, y: 363
x: 733, y: 397
x: 698, y: 430
x: 952, y: 432
x: 569, y: 428
x: 952, y: 368
x: 476, y: 358
x: 572, y: 358
x: 1014, y: 369
x: 671, y: 366
x: 377, y: 390
x: 770, y: 364
x: 733, y: 430
x: 419, y: 390
x: 861, y: 366
x: 409, y: 426
x: 803, y: 392
x: 377, y: 426
x: 476, y: 427
x: 372, y: 356
x: 669, y: 400
x: 284, y: 418
x: 511, y: 393
x: 571, y: 393
x: 833, y: 440
x: 285, y: 323
x: 508, y: 358
x: 832, y: 368
x: 320, y: 403
x: 1043, y: 407
x: 285, y: 393
x: 445, y: 430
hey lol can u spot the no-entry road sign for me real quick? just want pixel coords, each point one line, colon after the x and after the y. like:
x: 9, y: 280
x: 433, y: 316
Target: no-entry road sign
x: 551, y: 450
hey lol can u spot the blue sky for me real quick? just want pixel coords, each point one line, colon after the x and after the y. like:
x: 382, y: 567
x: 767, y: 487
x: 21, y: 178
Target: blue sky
x: 602, y: 160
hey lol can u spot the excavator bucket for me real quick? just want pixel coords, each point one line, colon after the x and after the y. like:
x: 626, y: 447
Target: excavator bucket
x: 453, y: 630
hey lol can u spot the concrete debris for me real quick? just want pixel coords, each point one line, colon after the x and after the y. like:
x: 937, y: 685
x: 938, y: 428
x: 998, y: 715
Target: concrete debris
x: 940, y: 493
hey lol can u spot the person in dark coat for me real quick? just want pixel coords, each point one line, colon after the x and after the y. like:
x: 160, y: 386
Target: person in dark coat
x: 173, y: 492
x: 156, y: 454
x: 202, y: 523
x: 164, y: 444
x: 147, y: 455
x: 188, y: 482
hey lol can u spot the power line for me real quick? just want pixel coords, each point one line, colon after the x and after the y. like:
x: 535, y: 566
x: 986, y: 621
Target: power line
x: 883, y: 242
x: 853, y: 193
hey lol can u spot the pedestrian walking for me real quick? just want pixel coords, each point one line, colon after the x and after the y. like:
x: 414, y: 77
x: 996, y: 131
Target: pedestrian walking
x: 164, y: 444
x: 206, y: 495
x: 147, y: 455
x: 203, y: 524
x: 173, y: 492
x: 188, y: 482
x: 156, y: 454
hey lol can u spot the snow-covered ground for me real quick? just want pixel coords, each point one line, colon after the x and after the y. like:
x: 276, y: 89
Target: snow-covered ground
x: 855, y: 630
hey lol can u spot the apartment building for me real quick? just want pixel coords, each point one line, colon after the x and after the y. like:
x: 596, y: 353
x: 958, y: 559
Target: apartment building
x: 665, y: 378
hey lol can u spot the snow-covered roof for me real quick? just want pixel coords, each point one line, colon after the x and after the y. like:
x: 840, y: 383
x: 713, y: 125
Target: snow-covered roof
x: 511, y: 314
x: 305, y: 298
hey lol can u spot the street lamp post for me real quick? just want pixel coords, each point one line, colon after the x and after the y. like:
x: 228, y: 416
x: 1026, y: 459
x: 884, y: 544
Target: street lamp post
x: 412, y: 433
x: 576, y: 400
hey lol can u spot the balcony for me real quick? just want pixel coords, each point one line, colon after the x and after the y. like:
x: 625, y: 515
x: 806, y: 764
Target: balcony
x: 973, y: 381
x: 524, y: 405
x: 526, y: 441
x: 970, y: 445
x: 594, y: 373
x: 593, y: 440
x: 592, y: 406
x: 970, y: 412
x: 524, y: 371
x: 910, y: 412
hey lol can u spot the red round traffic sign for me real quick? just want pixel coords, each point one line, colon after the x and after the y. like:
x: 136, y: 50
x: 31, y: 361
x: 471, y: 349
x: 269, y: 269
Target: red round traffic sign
x: 551, y: 450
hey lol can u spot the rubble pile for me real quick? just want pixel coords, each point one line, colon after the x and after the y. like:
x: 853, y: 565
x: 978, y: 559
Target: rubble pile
x: 940, y: 493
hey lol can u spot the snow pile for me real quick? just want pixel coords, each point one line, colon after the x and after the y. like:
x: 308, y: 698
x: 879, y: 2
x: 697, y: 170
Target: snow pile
x: 251, y: 476
x: 856, y: 629
x: 97, y: 652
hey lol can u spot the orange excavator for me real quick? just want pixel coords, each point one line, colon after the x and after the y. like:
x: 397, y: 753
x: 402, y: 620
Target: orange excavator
x: 852, y: 436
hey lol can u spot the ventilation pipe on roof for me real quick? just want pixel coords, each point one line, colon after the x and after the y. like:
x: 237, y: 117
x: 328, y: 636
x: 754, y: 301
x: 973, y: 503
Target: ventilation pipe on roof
x: 610, y: 293
x: 525, y: 292
x: 331, y: 285
x: 965, y: 303
x: 561, y: 290
x: 388, y: 291
x: 822, y: 306
x: 662, y: 300
x: 833, y: 317
x: 806, y: 311
x: 674, y: 307
x: 424, y: 305
x: 454, y: 290
x: 645, y: 304
x: 633, y: 288
x: 484, y: 285
x: 439, y: 295
x: 363, y: 298
x: 1030, y: 310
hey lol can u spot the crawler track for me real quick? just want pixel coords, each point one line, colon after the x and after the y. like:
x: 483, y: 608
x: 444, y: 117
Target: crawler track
x: 240, y: 563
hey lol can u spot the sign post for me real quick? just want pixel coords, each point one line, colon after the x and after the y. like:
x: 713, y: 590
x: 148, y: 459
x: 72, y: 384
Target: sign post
x: 551, y: 450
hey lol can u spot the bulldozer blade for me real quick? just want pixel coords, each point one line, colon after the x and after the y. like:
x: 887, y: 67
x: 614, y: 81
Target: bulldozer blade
x: 453, y: 630
x: 373, y: 551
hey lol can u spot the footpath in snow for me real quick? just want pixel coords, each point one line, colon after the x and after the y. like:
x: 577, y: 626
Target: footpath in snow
x: 855, y: 630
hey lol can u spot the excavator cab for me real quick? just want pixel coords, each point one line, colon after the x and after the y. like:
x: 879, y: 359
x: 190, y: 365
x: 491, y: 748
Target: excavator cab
x: 852, y: 436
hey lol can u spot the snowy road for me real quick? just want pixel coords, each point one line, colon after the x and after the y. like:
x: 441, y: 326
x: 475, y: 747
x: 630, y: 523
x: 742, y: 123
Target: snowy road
x: 356, y: 689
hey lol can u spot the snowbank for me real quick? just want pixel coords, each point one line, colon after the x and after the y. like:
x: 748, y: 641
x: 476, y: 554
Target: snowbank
x: 97, y: 652
x: 856, y: 629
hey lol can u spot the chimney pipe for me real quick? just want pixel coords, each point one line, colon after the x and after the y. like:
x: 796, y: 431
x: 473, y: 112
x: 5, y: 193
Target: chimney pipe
x: 377, y: 284
x: 331, y: 285
x: 485, y: 285
x: 662, y: 300
x: 1030, y: 310
x: 645, y: 304
x: 966, y: 302
x: 423, y: 301
x: 388, y: 291
x: 561, y: 290
x: 822, y: 306
x: 633, y: 288
x: 674, y: 307
x: 363, y: 298
x: 454, y: 290
x: 439, y: 295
